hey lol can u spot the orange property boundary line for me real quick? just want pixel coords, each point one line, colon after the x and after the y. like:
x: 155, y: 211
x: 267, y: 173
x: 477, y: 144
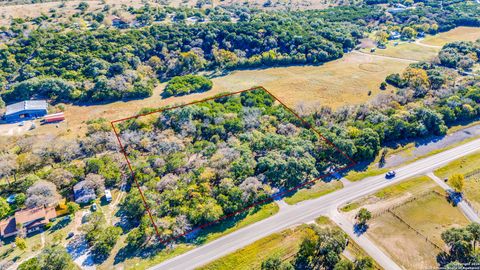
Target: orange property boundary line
x: 272, y: 198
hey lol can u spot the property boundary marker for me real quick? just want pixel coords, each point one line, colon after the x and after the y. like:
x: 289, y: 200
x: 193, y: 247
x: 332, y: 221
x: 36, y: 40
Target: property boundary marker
x: 269, y: 199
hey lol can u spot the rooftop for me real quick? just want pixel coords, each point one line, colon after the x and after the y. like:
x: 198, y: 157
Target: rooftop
x: 26, y: 105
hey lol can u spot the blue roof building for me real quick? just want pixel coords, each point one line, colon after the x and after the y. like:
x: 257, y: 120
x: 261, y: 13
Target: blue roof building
x: 25, y: 110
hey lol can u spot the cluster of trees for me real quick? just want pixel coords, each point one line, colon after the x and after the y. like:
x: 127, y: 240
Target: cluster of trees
x: 463, y: 244
x: 187, y: 84
x: 200, y: 162
x: 100, y: 237
x: 460, y: 55
x: 51, y: 258
x: 320, y: 250
x: 445, y: 15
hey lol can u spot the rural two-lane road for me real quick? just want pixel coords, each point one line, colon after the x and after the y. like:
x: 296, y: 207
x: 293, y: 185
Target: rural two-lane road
x: 309, y: 210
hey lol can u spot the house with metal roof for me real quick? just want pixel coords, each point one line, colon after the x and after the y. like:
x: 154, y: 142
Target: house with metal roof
x: 27, y: 109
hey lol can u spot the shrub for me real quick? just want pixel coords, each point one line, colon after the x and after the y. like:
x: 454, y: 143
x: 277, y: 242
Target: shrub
x: 187, y: 84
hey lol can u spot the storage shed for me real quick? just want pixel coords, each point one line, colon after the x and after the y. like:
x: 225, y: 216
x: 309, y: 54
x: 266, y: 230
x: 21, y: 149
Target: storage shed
x: 25, y: 110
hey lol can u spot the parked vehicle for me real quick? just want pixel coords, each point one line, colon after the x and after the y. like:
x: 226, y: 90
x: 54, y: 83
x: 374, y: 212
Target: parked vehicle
x: 94, y: 207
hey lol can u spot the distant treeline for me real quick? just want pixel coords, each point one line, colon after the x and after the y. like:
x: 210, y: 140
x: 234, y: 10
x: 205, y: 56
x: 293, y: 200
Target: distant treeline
x: 109, y: 64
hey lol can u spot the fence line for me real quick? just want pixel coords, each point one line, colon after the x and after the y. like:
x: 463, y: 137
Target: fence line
x: 472, y: 173
x: 416, y: 231
x: 409, y: 200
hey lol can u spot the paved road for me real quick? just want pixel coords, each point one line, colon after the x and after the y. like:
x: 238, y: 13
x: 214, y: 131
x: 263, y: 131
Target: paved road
x: 467, y: 210
x: 309, y: 210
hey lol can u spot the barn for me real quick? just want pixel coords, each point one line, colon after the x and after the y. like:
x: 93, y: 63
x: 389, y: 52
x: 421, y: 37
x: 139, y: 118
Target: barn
x: 25, y: 110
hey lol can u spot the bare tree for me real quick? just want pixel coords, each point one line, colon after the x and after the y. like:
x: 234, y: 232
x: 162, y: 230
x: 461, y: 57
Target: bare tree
x: 60, y: 177
x: 8, y: 165
x: 42, y: 193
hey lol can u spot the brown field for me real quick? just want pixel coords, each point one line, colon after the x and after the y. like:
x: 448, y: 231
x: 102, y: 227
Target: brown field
x: 459, y: 33
x: 340, y: 82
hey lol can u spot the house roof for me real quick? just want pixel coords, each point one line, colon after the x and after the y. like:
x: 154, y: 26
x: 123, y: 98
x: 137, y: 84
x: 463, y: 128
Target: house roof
x: 38, y: 215
x: 33, y: 214
x: 81, y: 189
x: 26, y: 105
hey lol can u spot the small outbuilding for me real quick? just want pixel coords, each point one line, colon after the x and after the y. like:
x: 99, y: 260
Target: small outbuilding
x: 27, y: 109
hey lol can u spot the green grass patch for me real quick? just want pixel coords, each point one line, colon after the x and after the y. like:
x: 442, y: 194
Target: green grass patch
x: 319, y: 189
x: 253, y: 215
x: 356, y: 176
x: 411, y: 185
x: 463, y: 165
x: 139, y: 263
x: 350, y: 206
x: 284, y: 244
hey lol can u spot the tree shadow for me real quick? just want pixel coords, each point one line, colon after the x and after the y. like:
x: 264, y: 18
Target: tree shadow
x: 360, y: 228
x: 454, y: 197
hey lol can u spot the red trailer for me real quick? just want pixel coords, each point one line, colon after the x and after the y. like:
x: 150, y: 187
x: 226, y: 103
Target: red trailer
x: 56, y: 117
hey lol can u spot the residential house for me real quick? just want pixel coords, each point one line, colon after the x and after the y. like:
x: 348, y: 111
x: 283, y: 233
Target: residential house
x: 32, y: 219
x: 84, y: 193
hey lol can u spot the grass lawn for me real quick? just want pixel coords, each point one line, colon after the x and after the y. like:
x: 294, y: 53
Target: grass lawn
x: 283, y: 244
x: 465, y: 165
x: 462, y: 165
x: 209, y: 234
x: 459, y: 33
x: 369, y: 172
x: 411, y: 187
x: 320, y: 188
x: 430, y: 215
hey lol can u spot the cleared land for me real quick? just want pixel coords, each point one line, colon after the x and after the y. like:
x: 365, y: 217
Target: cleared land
x: 283, y: 244
x: 406, y: 50
x: 408, y: 220
x: 459, y: 33
x: 470, y: 167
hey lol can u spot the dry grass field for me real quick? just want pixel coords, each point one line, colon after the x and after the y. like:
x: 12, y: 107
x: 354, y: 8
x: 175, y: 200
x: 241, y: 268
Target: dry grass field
x: 405, y: 50
x: 459, y: 33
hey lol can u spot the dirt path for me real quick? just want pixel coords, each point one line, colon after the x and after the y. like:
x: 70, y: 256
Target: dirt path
x: 419, y: 42
x: 387, y: 57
